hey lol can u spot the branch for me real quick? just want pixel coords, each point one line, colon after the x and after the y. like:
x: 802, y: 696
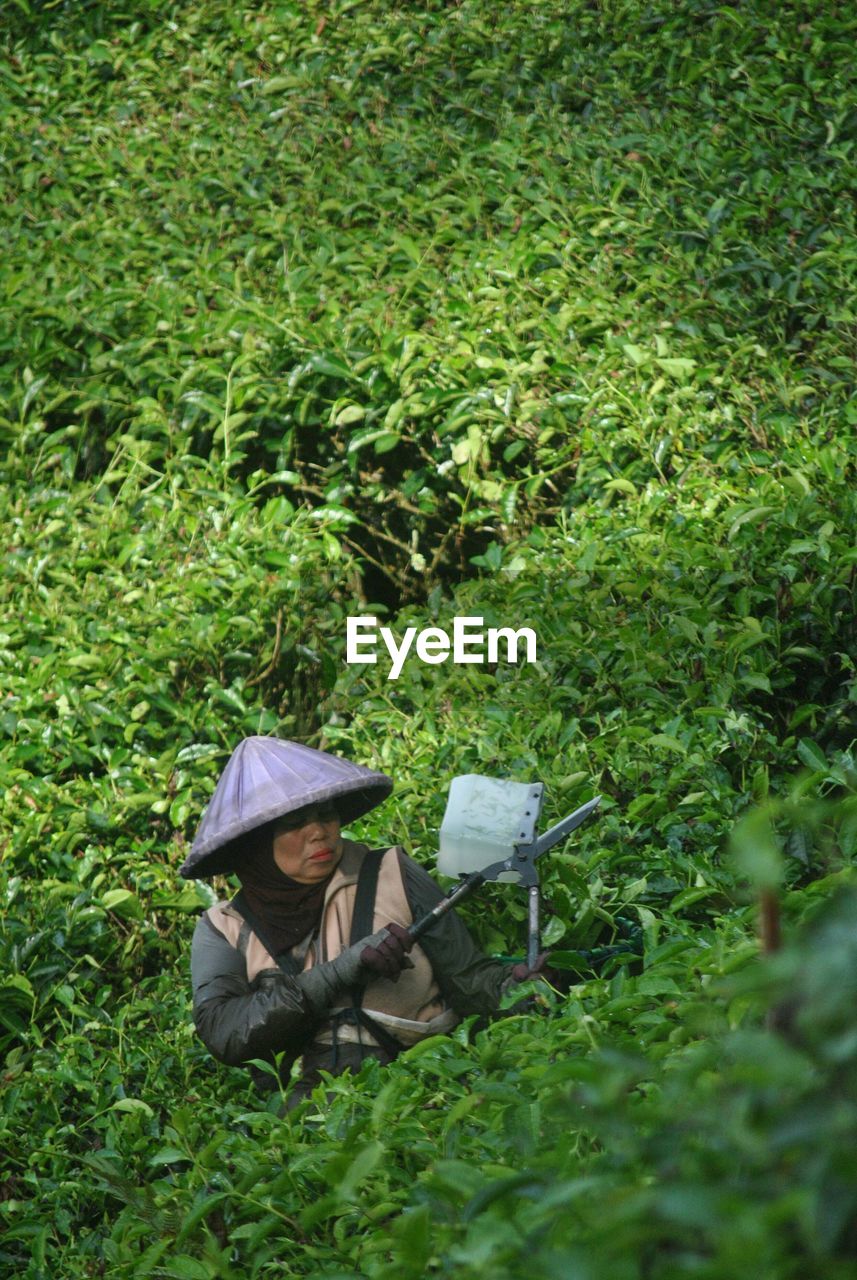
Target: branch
x: 275, y: 656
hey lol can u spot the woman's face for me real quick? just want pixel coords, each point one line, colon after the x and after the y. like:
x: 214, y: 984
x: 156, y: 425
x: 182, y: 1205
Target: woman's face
x: 307, y: 843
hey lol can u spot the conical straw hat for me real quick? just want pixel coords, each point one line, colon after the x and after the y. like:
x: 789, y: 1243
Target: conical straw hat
x: 266, y: 778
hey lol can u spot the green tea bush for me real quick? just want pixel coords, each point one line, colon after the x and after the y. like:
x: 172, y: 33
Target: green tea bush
x: 539, y: 313
x: 413, y: 259
x: 145, y: 631
x: 633, y: 1128
x: 671, y: 678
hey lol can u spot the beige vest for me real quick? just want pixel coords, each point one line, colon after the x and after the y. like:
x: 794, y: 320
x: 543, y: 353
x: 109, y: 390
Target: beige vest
x: 410, y: 1008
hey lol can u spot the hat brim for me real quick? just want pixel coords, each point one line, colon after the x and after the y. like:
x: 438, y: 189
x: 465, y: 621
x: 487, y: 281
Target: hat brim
x: 350, y: 805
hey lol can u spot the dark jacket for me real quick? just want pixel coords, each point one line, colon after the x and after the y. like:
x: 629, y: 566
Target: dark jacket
x: 246, y: 1007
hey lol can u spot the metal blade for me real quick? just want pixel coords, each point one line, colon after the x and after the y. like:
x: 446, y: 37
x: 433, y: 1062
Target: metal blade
x: 564, y: 828
x: 521, y: 867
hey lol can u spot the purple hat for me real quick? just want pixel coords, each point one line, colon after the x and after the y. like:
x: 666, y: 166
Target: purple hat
x: 266, y: 778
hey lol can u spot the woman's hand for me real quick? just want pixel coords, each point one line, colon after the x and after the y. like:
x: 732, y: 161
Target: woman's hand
x: 382, y: 954
x: 541, y: 969
x: 389, y: 956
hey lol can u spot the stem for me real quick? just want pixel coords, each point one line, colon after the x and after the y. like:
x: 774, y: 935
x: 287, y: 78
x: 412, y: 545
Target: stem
x: 275, y: 656
x: 769, y: 921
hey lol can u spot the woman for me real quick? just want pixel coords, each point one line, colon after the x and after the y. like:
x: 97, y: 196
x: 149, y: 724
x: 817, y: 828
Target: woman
x: 313, y: 957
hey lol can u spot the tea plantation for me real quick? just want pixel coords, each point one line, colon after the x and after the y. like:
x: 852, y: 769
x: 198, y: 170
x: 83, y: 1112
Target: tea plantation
x: 541, y: 313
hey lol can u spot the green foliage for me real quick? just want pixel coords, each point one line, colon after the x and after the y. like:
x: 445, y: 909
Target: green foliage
x: 430, y: 265
x: 672, y: 680
x: 143, y: 636
x: 538, y: 313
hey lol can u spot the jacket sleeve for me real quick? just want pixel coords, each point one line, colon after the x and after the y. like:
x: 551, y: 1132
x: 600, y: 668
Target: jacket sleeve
x: 238, y: 1021
x: 469, y: 981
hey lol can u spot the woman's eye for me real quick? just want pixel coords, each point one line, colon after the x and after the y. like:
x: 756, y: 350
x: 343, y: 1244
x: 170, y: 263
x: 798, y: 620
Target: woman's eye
x: 291, y: 823
x: 302, y: 818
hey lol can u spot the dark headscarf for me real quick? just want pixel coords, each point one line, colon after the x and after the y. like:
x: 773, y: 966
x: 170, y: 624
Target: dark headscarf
x: 287, y: 909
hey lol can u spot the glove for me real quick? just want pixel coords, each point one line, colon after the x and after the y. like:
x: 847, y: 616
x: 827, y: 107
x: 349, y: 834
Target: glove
x: 324, y: 984
x: 389, y: 957
x: 522, y: 972
x: 561, y: 980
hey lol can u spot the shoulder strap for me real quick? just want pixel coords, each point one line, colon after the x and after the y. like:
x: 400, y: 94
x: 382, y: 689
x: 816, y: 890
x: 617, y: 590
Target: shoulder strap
x: 364, y: 902
x: 361, y: 921
x: 362, y: 925
x: 285, y: 960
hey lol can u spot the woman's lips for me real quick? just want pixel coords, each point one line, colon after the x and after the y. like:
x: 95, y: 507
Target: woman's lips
x: 321, y: 855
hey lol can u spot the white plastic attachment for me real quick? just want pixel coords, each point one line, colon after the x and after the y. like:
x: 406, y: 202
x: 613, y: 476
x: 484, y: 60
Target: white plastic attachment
x: 485, y: 819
